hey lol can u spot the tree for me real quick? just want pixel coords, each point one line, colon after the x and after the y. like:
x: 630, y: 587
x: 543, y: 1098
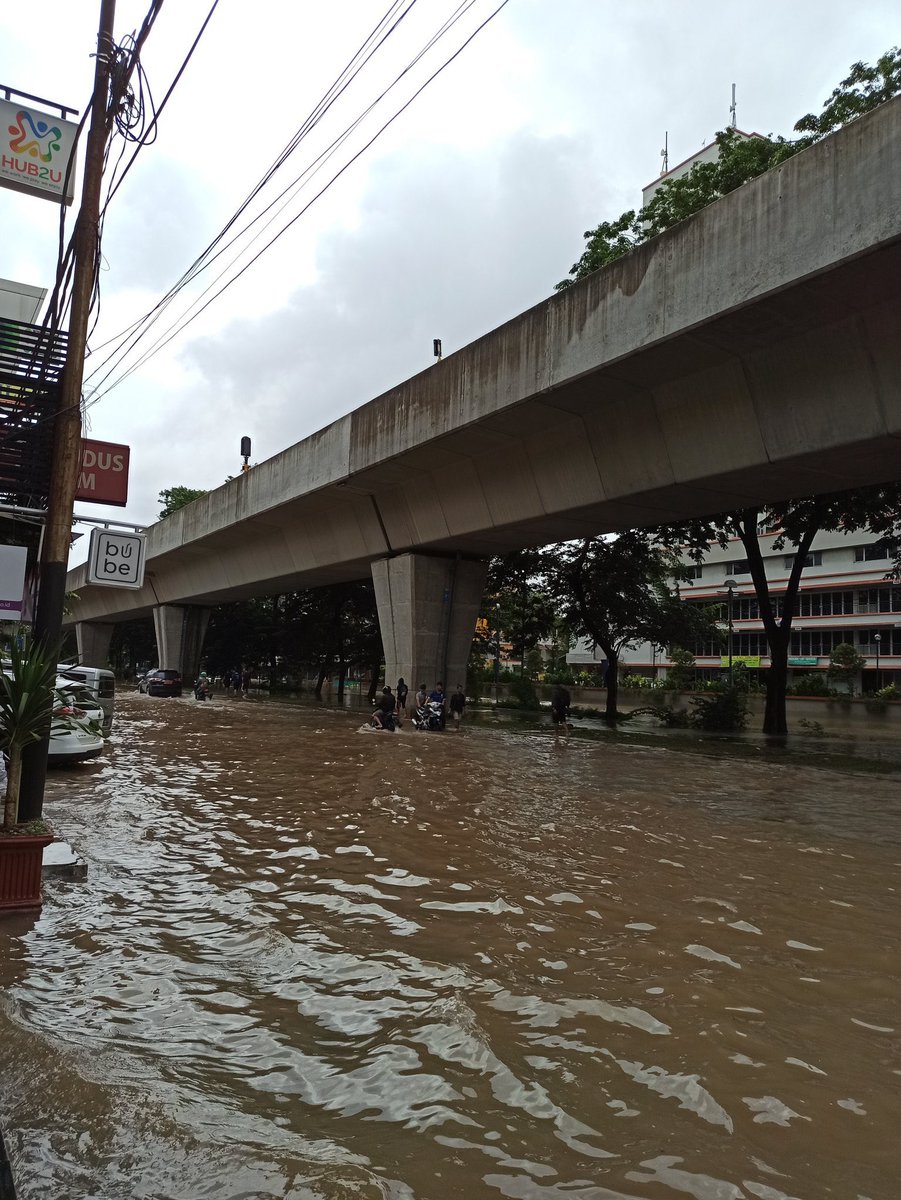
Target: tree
x: 173, y: 498
x: 621, y: 590
x: 517, y: 603
x: 845, y: 664
x: 875, y: 510
x: 740, y: 159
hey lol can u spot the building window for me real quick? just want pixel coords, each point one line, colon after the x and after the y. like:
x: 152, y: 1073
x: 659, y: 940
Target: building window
x: 817, y: 643
x: 881, y: 600
x: 741, y: 567
x: 813, y: 559
x: 693, y: 571
x: 875, y: 553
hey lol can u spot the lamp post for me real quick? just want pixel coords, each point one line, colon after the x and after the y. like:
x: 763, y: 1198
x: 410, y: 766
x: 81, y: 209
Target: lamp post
x: 497, y: 653
x: 730, y: 586
x: 878, y: 640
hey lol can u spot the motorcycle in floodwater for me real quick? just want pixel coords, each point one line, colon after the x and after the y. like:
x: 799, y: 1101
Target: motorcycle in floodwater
x: 202, y: 690
x: 429, y: 718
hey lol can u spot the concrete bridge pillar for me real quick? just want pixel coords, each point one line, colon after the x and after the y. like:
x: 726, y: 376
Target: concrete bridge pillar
x: 93, y: 638
x: 180, y: 631
x: 428, y: 608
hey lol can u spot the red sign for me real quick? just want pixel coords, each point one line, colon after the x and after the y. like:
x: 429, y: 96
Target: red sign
x: 104, y: 473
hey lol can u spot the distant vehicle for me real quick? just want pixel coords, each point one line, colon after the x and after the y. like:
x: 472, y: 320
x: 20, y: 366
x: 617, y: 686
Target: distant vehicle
x: 75, y: 734
x: 102, y: 685
x: 163, y: 683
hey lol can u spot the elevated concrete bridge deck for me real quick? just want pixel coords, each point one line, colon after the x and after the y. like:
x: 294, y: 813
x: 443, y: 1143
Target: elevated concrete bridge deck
x: 750, y: 353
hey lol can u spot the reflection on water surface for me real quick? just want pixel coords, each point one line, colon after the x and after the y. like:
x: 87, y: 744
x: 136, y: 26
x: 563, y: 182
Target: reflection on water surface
x: 309, y: 963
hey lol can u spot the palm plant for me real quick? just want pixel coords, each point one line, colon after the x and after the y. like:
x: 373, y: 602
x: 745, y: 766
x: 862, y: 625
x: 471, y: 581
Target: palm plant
x: 26, y: 688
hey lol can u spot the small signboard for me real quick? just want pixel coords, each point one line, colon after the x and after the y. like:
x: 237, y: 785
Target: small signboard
x: 803, y: 662
x: 35, y: 148
x: 13, y: 561
x: 116, y: 559
x: 104, y: 473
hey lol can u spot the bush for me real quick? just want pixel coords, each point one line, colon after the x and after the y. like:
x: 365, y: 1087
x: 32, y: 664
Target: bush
x: 565, y: 677
x: 638, y: 681
x: 723, y: 711
x: 889, y: 693
x: 812, y: 684
x: 522, y: 691
x: 682, y: 672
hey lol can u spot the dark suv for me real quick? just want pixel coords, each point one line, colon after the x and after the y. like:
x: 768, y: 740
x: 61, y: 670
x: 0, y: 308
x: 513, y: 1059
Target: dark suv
x: 163, y: 683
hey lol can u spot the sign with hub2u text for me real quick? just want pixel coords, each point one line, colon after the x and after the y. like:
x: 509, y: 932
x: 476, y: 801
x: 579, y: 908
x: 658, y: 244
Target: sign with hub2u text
x: 116, y: 559
x: 35, y: 148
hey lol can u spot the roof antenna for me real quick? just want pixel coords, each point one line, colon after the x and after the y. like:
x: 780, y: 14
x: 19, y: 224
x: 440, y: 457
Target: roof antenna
x: 733, y: 121
x: 664, y: 154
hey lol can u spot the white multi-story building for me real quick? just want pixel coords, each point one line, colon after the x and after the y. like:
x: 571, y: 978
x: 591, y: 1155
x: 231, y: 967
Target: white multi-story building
x: 844, y: 597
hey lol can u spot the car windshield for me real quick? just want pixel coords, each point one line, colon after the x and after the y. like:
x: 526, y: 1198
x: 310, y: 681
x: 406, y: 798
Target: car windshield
x: 166, y: 675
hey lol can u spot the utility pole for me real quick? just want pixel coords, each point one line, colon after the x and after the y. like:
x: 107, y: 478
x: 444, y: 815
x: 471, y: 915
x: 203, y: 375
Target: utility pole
x: 66, y: 460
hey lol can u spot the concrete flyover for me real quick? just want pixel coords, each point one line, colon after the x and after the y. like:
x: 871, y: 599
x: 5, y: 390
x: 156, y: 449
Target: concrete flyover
x: 750, y: 353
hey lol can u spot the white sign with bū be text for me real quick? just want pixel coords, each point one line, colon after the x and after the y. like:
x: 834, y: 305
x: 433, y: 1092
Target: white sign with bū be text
x: 116, y: 559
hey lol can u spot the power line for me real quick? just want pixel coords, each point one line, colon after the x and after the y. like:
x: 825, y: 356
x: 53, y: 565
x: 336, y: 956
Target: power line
x: 350, y: 71
x: 177, y: 327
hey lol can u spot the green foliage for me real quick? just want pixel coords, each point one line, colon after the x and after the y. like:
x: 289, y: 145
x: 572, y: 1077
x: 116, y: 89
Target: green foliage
x: 889, y: 694
x: 845, y: 664
x: 522, y: 691
x: 681, y: 674
x: 516, y: 604
x: 740, y: 159
x: 814, y: 683
x: 722, y: 711
x: 638, y: 682
x: 173, y: 498
x: 865, y: 88
x: 25, y: 709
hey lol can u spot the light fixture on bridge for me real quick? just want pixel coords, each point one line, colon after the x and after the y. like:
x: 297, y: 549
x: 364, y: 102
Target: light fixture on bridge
x: 245, y: 454
x: 436, y: 348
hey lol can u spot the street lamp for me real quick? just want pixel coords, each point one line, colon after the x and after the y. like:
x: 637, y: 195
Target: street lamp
x: 497, y: 652
x: 878, y: 640
x: 730, y: 585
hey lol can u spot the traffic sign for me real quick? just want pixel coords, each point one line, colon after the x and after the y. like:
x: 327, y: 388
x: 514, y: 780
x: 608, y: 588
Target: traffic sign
x: 116, y: 559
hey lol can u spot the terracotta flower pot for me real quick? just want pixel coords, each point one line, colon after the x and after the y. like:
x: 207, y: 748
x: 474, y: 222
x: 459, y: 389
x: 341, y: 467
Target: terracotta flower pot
x: 21, y: 856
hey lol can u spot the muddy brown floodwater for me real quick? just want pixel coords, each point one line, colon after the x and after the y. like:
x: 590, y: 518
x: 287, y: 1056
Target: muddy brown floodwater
x: 310, y: 962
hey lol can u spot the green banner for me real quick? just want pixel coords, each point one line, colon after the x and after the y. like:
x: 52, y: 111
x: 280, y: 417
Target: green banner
x: 803, y: 662
x: 750, y: 660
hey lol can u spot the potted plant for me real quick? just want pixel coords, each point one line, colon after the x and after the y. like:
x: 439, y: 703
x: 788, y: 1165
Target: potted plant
x: 26, y: 688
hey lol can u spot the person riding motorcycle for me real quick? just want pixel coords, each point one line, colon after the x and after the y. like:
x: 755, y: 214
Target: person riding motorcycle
x: 384, y: 716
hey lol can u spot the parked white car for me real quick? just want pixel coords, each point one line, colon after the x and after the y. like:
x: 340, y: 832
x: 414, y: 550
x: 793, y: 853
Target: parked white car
x: 76, y: 728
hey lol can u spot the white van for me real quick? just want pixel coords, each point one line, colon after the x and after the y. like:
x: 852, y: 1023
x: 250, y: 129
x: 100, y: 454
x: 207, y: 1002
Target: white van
x: 101, y: 684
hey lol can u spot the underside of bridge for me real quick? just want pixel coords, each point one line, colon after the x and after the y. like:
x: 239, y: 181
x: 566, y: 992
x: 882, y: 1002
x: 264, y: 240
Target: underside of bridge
x: 751, y: 354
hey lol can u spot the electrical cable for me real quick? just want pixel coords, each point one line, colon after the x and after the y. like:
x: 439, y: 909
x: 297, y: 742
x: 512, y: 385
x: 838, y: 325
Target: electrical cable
x: 179, y: 327
x: 345, y: 77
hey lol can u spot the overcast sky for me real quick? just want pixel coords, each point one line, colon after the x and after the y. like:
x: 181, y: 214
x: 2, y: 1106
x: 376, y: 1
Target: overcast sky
x: 464, y: 213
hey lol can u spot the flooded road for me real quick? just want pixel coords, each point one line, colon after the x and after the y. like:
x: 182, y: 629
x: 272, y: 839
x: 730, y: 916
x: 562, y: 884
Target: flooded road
x: 314, y: 964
